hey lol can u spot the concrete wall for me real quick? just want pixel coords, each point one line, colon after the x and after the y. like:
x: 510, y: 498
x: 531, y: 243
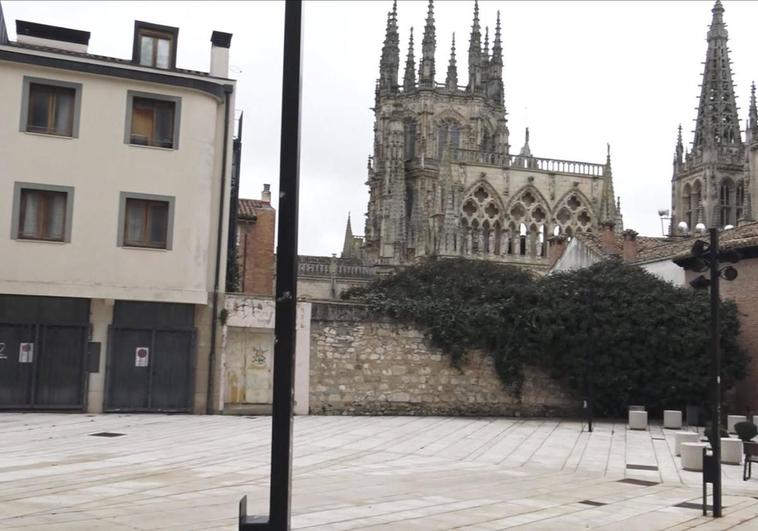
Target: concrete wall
x: 364, y: 365
x: 666, y: 270
x: 247, y: 358
x: 99, y: 165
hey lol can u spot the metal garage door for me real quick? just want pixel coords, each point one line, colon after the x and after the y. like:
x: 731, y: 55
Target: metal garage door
x: 151, y: 357
x: 43, y: 348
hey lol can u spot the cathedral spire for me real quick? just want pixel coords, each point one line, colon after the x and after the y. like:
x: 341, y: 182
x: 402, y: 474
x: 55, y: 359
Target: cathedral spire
x: 348, y: 245
x: 409, y: 81
x: 717, y: 121
x: 752, y: 121
x: 495, y: 72
x: 679, y: 152
x: 390, y: 61
x: 474, y: 53
x: 451, y: 82
x: 525, y: 150
x: 426, y: 66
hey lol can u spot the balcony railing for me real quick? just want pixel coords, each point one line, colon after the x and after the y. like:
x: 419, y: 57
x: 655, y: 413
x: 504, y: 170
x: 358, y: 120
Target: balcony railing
x: 475, y: 156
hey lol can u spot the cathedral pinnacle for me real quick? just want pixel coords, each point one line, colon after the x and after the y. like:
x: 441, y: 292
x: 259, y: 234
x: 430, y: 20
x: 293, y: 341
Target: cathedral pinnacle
x: 426, y: 66
x: 678, y: 153
x: 497, y: 46
x: 409, y: 81
x: 474, y: 53
x: 451, y: 82
x: 390, y: 61
x: 752, y: 122
x: 718, y: 28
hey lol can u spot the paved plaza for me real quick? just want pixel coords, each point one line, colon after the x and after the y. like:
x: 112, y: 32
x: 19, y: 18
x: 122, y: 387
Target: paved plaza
x: 188, y: 472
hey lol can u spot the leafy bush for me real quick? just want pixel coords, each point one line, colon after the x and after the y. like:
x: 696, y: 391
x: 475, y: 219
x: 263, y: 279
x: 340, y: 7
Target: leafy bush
x: 648, y: 341
x: 708, y: 432
x: 746, y: 430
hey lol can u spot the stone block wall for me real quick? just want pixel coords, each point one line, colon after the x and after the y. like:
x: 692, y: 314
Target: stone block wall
x: 364, y: 365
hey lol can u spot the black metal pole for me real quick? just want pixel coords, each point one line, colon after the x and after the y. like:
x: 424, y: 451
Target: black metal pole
x: 286, y: 284
x: 591, y: 364
x: 716, y: 370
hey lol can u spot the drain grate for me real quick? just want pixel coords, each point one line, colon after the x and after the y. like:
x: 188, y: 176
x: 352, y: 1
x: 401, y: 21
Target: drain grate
x: 107, y: 434
x: 642, y: 467
x: 640, y: 482
x: 593, y: 503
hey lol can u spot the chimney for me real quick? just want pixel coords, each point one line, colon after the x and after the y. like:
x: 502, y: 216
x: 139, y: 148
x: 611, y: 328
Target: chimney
x: 630, y: 245
x: 608, y: 238
x: 220, y: 43
x: 556, y: 248
x: 51, y: 36
x: 266, y: 194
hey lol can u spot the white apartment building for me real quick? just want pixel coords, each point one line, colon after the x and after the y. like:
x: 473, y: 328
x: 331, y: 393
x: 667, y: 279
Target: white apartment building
x: 114, y: 208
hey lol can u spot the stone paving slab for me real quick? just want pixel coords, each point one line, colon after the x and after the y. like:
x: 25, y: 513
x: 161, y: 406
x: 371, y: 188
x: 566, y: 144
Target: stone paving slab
x: 403, y: 473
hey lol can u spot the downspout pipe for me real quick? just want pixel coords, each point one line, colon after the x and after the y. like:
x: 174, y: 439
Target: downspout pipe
x: 228, y: 89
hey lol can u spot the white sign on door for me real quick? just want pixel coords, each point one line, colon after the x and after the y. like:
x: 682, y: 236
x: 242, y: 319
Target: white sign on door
x: 141, y: 356
x: 26, y: 353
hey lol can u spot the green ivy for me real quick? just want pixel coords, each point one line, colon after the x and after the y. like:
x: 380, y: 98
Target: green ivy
x: 648, y: 340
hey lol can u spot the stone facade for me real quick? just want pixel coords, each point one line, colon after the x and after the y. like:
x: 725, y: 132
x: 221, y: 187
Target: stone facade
x: 442, y: 179
x: 364, y: 365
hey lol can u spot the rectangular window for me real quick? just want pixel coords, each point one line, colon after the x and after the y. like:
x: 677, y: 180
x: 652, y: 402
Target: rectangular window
x: 42, y: 215
x: 146, y: 223
x: 155, y: 49
x: 50, y: 109
x: 152, y: 122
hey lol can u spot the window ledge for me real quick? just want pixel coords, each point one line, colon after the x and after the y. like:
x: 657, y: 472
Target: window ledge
x: 49, y: 135
x: 32, y: 240
x: 158, y: 148
x: 137, y: 248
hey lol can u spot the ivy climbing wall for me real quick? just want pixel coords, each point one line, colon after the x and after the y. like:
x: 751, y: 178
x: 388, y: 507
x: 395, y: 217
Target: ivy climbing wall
x: 362, y: 364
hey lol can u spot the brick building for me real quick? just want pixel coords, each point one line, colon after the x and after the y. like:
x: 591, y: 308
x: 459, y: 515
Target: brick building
x: 256, y: 222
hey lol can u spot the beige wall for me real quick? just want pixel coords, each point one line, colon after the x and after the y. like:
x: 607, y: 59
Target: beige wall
x: 99, y: 165
x: 247, y: 354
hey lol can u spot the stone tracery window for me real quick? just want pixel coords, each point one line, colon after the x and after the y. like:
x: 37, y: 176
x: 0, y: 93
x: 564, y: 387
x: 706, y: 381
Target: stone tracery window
x: 726, y: 202
x: 739, y: 201
x: 448, y: 137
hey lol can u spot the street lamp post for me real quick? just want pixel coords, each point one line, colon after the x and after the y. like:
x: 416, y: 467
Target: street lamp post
x: 280, y: 491
x: 707, y: 257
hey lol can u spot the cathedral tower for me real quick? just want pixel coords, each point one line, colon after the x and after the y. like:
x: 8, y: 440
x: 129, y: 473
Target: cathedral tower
x: 442, y: 180
x: 710, y: 182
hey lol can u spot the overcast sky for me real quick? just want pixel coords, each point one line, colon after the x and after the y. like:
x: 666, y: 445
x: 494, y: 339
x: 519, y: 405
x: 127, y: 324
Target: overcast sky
x: 578, y: 74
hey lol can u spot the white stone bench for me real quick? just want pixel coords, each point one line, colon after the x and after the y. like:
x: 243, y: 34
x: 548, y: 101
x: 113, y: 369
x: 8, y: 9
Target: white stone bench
x: 684, y: 437
x: 672, y: 418
x: 692, y: 456
x: 637, y: 420
x: 731, y: 420
x: 731, y: 451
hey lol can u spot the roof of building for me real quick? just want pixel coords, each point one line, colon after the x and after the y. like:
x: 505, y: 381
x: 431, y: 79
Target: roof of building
x: 645, y: 244
x: 104, y: 58
x: 246, y: 208
x: 653, y: 249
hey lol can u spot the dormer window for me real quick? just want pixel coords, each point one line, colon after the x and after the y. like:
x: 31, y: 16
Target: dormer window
x: 154, y: 49
x: 154, y: 45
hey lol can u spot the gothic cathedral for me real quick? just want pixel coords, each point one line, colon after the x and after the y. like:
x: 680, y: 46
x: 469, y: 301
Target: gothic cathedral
x: 712, y: 184
x: 442, y: 179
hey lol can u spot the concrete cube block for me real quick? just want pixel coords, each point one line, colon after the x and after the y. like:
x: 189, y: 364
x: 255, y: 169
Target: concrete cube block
x: 683, y: 437
x: 692, y: 456
x: 672, y: 418
x: 637, y: 420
